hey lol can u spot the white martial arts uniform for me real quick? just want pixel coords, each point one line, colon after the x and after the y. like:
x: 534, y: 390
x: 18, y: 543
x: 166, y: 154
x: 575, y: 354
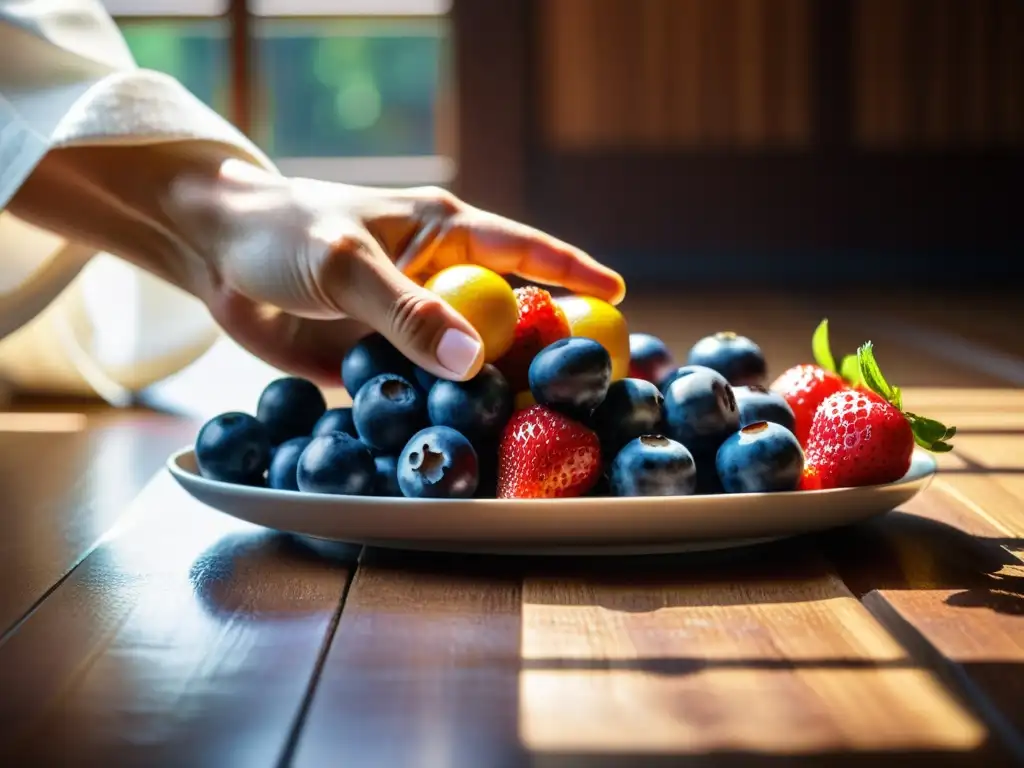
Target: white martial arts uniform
x: 71, y: 320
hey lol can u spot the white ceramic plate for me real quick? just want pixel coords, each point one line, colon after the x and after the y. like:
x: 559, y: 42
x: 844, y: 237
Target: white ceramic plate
x: 553, y: 526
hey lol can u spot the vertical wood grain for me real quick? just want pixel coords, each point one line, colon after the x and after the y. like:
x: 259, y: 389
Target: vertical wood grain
x: 674, y: 73
x: 915, y: 39
x: 977, y: 56
x: 686, y: 45
x: 750, y: 69
x: 492, y: 47
x: 743, y: 73
x: 566, y: 96
x: 1008, y: 75
x: 940, y: 74
x: 865, y: 72
x: 718, y: 70
x: 938, y: 67
x: 654, y: 78
x: 795, y: 105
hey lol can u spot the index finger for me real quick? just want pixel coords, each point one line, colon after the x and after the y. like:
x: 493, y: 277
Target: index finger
x: 510, y: 247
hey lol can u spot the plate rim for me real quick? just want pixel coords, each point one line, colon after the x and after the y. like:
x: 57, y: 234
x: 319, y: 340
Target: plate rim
x: 928, y: 470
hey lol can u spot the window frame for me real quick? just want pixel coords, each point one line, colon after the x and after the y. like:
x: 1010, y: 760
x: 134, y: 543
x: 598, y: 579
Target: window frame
x: 242, y: 16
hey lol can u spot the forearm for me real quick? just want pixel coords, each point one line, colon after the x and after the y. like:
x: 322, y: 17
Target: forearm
x: 114, y: 199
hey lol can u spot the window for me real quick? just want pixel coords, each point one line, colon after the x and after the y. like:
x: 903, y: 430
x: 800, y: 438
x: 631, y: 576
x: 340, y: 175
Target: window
x: 344, y: 90
x: 193, y: 51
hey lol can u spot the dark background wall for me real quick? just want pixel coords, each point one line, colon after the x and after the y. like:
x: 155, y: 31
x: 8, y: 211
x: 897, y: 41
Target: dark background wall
x: 785, y: 140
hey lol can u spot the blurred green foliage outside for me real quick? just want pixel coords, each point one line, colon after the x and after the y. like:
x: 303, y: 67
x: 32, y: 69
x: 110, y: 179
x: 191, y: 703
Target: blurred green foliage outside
x: 322, y: 88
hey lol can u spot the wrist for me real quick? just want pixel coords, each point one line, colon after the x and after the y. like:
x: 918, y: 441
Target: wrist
x: 113, y: 199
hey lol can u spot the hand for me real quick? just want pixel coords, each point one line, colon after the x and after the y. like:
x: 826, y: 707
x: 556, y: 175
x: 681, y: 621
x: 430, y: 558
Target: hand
x: 300, y: 269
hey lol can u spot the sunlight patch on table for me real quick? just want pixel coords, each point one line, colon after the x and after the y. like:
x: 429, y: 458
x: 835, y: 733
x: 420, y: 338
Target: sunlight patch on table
x: 780, y: 667
x: 926, y: 399
x: 993, y: 452
x: 42, y: 422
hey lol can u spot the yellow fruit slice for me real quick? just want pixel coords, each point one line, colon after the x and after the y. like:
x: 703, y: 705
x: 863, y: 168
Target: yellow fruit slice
x: 600, y: 321
x: 485, y: 299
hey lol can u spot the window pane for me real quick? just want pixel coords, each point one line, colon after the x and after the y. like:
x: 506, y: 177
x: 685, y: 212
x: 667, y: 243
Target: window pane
x: 193, y: 52
x: 371, y: 87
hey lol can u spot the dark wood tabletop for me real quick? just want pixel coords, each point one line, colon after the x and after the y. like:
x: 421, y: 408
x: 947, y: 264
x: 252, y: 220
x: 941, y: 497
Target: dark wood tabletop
x: 140, y: 628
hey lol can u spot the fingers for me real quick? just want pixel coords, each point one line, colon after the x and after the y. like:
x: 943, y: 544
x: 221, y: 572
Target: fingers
x: 509, y: 247
x: 363, y: 282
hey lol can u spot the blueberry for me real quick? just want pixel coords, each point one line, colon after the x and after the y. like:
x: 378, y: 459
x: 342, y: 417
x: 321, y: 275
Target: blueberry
x: 369, y: 358
x: 424, y: 379
x: 649, y: 358
x: 284, y: 464
x: 631, y: 408
x: 290, y: 407
x: 571, y: 375
x: 336, y: 463
x: 760, y: 458
x: 478, y: 408
x: 700, y: 411
x: 233, y: 448
x: 387, y: 476
x: 736, y: 357
x: 757, y: 403
x: 653, y: 465
x: 671, y: 376
x: 336, y: 420
x: 388, y: 411
x: 438, y: 463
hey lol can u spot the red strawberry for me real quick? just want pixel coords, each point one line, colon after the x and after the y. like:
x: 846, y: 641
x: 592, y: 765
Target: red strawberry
x: 809, y: 478
x: 541, y: 322
x: 804, y: 387
x: 545, y: 455
x: 857, y: 439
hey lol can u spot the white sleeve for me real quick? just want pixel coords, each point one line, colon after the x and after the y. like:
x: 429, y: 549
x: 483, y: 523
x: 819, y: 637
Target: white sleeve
x: 68, y: 79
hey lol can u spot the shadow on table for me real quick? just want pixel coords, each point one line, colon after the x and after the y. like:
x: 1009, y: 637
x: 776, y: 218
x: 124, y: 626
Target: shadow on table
x: 263, y: 574
x: 902, y: 551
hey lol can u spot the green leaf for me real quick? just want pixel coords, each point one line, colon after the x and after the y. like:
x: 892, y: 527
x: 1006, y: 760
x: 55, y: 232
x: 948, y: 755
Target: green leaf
x: 821, y: 349
x: 849, y: 369
x: 872, y: 375
x: 937, y: 447
x: 930, y: 434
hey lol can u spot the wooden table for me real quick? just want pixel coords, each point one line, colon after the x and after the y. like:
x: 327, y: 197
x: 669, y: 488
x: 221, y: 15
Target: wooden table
x: 139, y: 628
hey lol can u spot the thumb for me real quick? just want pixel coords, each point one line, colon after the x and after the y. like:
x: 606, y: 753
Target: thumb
x: 367, y: 286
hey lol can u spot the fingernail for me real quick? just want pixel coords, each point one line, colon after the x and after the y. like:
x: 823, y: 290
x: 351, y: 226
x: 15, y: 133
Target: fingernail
x: 458, y: 351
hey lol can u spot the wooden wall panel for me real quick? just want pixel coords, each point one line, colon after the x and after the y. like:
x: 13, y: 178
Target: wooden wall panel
x: 674, y: 73
x: 942, y: 74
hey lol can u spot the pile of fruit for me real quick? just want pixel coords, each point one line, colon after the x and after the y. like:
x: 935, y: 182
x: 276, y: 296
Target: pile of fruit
x: 569, y: 403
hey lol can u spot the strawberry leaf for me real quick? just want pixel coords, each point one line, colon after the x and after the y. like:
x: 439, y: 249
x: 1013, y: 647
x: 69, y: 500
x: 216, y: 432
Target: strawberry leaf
x: 924, y: 439
x: 849, y: 369
x: 872, y: 376
x: 821, y: 349
x: 930, y: 434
